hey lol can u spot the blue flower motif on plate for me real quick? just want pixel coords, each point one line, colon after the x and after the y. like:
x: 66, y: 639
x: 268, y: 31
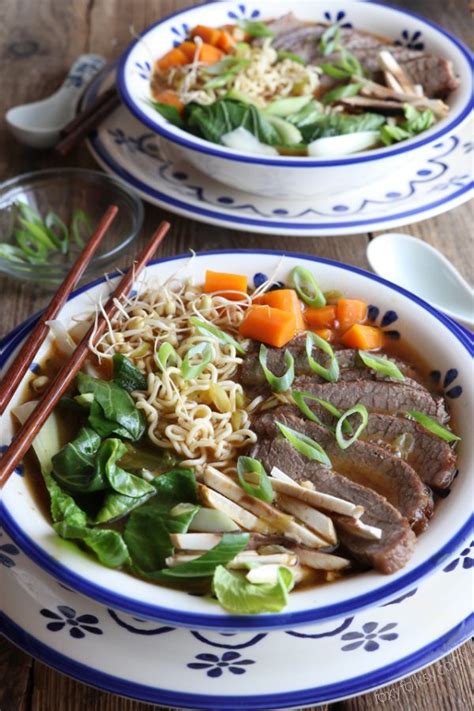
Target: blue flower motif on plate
x: 67, y: 617
x: 367, y: 638
x: 449, y: 377
x: 144, y: 70
x: 387, y: 319
x: 19, y: 469
x: 338, y: 18
x: 215, y: 665
x: 259, y: 279
x: 241, y: 13
x: 180, y: 33
x: 411, y: 40
x: 7, y: 550
x: 465, y: 559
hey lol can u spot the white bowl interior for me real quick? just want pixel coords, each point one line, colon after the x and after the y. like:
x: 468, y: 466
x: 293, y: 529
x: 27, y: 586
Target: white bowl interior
x: 379, y: 19
x: 417, y: 325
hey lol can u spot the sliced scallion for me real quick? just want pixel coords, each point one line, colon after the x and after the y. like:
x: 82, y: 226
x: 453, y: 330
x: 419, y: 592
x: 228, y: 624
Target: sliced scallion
x: 304, y: 445
x: 283, y: 54
x: 166, y: 356
x: 221, y: 336
x: 381, y: 365
x: 341, y: 92
x: 219, y: 81
x: 331, y: 373
x: 299, y: 397
x: 191, y: 371
x: 58, y: 231
x: 329, y: 41
x: 359, y: 410
x: 334, y: 71
x: 255, y: 28
x: 35, y: 250
x: 432, y: 426
x: 263, y: 490
x: 81, y: 227
x: 307, y: 287
x: 278, y: 383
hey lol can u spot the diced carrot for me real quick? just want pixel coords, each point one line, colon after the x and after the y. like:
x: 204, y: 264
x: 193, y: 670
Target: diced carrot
x: 210, y: 35
x: 189, y: 49
x: 267, y: 325
x: 286, y: 300
x: 367, y: 338
x: 209, y: 54
x: 325, y: 333
x: 223, y: 282
x: 350, y: 311
x: 171, y: 98
x: 226, y: 42
x: 322, y: 317
x: 174, y: 58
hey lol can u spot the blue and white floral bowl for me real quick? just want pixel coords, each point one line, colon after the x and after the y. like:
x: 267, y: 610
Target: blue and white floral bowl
x: 446, y: 348
x: 290, y: 177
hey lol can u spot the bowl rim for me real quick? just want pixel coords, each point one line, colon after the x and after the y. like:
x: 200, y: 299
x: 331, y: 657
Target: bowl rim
x: 236, y: 622
x: 56, y: 270
x: 200, y: 145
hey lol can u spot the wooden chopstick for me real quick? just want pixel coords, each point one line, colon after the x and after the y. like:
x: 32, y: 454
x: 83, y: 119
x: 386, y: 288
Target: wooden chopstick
x: 20, y: 365
x: 83, y: 123
x: 20, y: 445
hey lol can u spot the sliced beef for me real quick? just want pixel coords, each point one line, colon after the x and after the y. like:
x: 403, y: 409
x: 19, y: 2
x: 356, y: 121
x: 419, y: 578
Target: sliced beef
x: 367, y: 464
x: 382, y: 396
x: 432, y: 458
x: 387, y: 555
x: 435, y: 74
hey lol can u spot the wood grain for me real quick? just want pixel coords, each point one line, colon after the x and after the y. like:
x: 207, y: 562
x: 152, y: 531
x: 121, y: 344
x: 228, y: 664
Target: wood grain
x: 39, y: 40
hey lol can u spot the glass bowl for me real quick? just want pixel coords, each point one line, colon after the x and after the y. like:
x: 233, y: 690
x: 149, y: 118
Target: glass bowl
x: 64, y: 191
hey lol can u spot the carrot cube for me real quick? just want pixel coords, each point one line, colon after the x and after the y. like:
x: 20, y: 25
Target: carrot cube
x: 367, y: 338
x: 350, y: 311
x: 322, y: 317
x: 221, y: 282
x: 268, y: 325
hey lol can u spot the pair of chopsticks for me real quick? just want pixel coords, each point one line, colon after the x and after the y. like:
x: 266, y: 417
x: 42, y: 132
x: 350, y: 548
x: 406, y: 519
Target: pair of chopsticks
x: 60, y: 383
x: 77, y: 129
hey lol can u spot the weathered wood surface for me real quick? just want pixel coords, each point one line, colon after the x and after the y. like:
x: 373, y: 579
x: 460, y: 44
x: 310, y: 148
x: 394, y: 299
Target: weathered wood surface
x: 39, y: 39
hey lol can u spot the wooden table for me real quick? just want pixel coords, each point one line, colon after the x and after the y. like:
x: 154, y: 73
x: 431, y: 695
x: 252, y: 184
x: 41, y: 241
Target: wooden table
x: 39, y: 41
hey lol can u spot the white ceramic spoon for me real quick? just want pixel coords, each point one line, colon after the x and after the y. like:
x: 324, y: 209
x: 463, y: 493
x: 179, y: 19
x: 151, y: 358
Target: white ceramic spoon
x: 39, y: 124
x: 423, y: 270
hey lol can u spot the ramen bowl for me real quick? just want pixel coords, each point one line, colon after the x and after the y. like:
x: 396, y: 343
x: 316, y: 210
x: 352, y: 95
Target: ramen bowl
x: 286, y: 176
x: 444, y: 345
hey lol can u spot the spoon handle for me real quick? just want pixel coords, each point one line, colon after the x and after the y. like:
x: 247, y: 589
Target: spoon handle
x: 80, y: 74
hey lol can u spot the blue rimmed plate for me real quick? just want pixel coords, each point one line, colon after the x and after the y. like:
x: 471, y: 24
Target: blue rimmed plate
x: 400, y: 315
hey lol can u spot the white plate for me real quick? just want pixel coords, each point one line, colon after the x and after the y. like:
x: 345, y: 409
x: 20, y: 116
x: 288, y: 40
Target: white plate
x: 399, y: 313
x: 319, y: 664
x: 126, y: 148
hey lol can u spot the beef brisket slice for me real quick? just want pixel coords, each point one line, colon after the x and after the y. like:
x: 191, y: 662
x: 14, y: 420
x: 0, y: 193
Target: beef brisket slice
x: 387, y: 555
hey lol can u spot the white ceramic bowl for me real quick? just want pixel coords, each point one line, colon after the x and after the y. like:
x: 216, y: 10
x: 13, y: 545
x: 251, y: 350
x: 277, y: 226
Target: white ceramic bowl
x: 448, y: 350
x: 290, y: 177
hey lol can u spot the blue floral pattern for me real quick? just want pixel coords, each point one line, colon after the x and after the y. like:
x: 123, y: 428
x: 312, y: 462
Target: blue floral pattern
x: 19, y: 469
x: 449, y: 377
x: 387, y: 319
x: 367, y: 638
x: 137, y: 626
x: 144, y: 70
x: 338, y: 18
x: 464, y: 559
x: 241, y: 14
x: 180, y: 32
x: 67, y: 617
x: 411, y: 40
x: 231, y: 661
x: 7, y: 550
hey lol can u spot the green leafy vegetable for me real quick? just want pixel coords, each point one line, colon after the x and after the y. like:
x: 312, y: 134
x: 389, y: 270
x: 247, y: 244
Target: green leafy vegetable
x: 121, y: 481
x: 415, y: 122
x: 126, y: 375
x: 115, y: 506
x: 381, y: 365
x: 304, y: 445
x: 332, y: 372
x: 256, y: 29
x: 359, y: 410
x: 191, y: 371
x: 74, y: 464
x: 230, y: 545
x: 221, y: 336
x: 170, y: 113
x: 432, y: 426
x: 278, y: 383
x: 155, y: 460
x: 225, y: 115
x: 237, y: 595
x: 307, y: 287
x: 327, y: 125
x: 263, y: 490
x: 62, y: 504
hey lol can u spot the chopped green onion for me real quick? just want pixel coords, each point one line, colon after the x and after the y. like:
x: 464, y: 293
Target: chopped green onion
x: 11, y: 253
x: 278, y: 383
x: 256, y: 28
x: 264, y: 490
x: 190, y: 372
x: 219, y: 81
x: 58, y: 231
x: 221, y: 336
x: 331, y: 373
x: 35, y: 250
x: 28, y: 213
x: 359, y: 410
x: 329, y: 41
x: 304, y: 445
x: 228, y: 64
x: 334, y: 71
x: 341, y: 92
x: 299, y: 397
x: 307, y: 287
x: 432, y: 426
x: 81, y: 223
x: 166, y: 353
x: 381, y: 365
x: 350, y: 63
x: 283, y: 54
x: 39, y: 233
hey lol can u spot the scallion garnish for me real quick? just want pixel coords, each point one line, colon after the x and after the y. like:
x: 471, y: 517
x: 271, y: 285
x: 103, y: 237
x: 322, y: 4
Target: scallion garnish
x: 359, y: 410
x: 219, y: 81
x: 334, y: 71
x: 57, y: 228
x: 299, y: 397
x: 263, y: 490
x: 432, y: 426
x: 329, y: 41
x: 341, y: 92
x: 255, y: 28
x: 283, y: 54
x: 307, y: 287
x: 81, y: 227
x: 381, y: 365
x: 331, y: 373
x: 304, y: 445
x: 278, y: 383
x: 221, y: 336
x: 191, y: 371
x: 166, y: 356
